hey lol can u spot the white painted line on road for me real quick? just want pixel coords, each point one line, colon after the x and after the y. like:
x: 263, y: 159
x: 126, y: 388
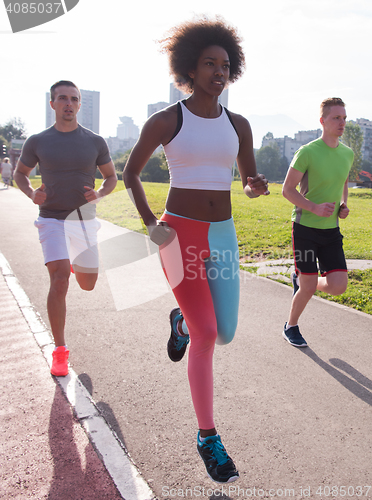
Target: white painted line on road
x: 112, y: 452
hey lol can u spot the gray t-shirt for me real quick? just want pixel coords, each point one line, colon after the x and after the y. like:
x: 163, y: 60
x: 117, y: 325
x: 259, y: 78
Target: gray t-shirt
x: 67, y: 162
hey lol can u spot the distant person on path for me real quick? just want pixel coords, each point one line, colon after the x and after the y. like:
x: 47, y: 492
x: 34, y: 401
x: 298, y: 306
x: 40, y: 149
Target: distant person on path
x: 68, y: 156
x: 6, y: 170
x: 322, y: 169
x: 201, y: 140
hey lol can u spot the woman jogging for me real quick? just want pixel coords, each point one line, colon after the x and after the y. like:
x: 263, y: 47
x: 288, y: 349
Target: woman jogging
x: 201, y: 140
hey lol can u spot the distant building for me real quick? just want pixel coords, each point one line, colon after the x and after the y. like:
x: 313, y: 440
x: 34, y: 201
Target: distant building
x: 288, y: 146
x: 366, y: 126
x: 154, y: 108
x: 49, y: 113
x: 88, y: 115
x: 176, y: 94
x: 117, y: 145
x: 306, y: 136
x: 127, y: 134
x: 127, y: 129
x: 224, y: 98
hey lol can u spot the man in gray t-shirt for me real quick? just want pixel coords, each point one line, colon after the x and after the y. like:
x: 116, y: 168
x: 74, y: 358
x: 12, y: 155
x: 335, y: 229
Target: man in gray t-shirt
x: 68, y: 156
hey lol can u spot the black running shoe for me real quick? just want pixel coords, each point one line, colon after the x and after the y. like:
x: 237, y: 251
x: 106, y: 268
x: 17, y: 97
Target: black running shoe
x: 219, y: 465
x: 293, y: 336
x: 177, y: 343
x: 294, y: 282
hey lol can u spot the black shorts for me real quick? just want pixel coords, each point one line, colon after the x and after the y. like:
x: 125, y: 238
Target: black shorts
x: 323, y: 245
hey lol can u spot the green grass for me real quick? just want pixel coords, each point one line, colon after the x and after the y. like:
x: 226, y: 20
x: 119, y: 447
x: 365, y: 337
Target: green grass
x: 358, y: 294
x: 262, y: 224
x: 263, y: 228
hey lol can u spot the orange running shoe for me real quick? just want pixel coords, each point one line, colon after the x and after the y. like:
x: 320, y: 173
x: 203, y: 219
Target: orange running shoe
x: 60, y: 362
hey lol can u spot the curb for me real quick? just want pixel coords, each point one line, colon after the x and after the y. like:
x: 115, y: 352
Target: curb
x: 108, y: 446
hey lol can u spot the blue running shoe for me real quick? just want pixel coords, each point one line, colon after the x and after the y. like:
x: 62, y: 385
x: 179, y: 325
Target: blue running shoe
x: 294, y: 282
x: 177, y: 343
x: 219, y: 465
x: 293, y: 336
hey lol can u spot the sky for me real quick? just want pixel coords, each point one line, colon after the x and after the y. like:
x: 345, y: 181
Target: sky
x: 298, y: 52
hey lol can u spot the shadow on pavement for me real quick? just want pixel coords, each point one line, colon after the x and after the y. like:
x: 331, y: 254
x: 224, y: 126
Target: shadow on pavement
x: 104, y: 409
x: 359, y: 385
x: 77, y: 471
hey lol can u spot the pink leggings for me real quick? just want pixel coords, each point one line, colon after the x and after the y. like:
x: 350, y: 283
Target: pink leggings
x: 201, y: 262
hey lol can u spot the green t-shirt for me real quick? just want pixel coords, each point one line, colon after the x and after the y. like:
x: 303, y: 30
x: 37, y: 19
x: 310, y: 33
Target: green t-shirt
x: 325, y: 172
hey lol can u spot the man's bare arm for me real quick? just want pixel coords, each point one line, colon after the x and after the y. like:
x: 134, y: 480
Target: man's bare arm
x: 22, y: 178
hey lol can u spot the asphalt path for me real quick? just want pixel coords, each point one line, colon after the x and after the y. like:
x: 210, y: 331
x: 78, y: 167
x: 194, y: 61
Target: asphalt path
x: 297, y: 422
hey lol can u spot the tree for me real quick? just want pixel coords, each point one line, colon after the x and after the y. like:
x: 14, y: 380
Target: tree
x: 268, y: 162
x: 353, y: 137
x: 121, y: 161
x: 155, y: 170
x: 268, y: 136
x: 283, y: 168
x: 13, y: 129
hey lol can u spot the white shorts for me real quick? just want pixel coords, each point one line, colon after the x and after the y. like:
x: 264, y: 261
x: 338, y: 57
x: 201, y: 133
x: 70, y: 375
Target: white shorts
x: 69, y: 239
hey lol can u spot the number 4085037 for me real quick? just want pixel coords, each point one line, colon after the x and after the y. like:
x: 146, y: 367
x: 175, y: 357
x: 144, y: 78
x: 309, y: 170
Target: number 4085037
x: 34, y: 8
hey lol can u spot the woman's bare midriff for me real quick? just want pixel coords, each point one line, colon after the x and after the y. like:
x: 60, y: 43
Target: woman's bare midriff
x: 211, y: 206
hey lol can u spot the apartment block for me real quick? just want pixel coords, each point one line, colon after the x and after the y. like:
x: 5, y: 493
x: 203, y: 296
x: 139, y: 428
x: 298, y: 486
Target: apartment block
x: 366, y: 126
x: 288, y: 145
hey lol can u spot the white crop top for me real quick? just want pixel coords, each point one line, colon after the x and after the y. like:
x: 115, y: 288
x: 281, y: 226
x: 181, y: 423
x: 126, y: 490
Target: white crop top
x: 202, y: 153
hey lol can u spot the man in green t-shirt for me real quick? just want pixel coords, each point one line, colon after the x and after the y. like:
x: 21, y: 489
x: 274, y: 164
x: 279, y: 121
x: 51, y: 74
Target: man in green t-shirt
x: 321, y: 168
